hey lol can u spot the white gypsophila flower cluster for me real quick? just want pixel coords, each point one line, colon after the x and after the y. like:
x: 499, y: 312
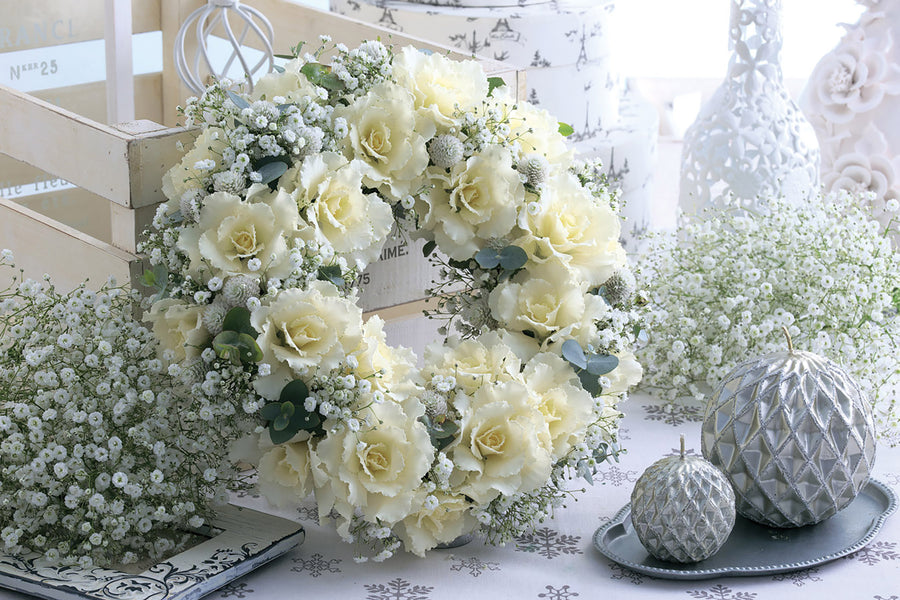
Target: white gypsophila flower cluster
x: 99, y: 458
x: 824, y: 269
x: 290, y: 192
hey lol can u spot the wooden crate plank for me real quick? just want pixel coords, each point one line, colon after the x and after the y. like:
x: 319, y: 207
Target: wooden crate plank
x: 42, y: 245
x: 84, y: 152
x: 150, y: 155
x: 74, y: 207
x: 42, y: 23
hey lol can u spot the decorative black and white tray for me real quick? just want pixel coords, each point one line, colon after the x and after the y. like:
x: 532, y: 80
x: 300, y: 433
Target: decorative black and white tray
x: 754, y: 549
x: 248, y: 540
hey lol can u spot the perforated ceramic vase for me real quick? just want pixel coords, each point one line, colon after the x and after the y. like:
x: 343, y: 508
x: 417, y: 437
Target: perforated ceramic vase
x: 794, y: 434
x: 682, y: 509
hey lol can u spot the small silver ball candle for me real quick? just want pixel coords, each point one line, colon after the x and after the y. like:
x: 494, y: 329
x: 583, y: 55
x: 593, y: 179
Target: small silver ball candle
x: 794, y: 434
x: 682, y: 508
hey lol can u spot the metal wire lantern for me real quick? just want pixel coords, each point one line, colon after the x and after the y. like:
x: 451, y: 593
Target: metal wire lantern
x: 204, y: 20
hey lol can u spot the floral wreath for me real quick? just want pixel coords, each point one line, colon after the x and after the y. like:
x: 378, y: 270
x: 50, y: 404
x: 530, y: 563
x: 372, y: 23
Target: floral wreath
x: 286, y: 196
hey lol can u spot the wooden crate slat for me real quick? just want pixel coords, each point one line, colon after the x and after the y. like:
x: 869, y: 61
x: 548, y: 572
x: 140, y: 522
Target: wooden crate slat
x: 43, y: 23
x: 62, y: 143
x: 41, y: 245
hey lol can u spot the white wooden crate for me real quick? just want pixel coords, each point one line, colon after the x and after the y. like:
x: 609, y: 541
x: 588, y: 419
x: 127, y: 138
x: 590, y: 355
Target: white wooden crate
x: 90, y: 230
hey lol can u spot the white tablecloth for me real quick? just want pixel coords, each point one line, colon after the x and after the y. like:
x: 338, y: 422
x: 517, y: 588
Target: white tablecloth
x: 558, y: 561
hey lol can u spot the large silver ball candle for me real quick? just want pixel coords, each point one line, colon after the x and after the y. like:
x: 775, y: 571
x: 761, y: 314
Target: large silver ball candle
x: 794, y: 434
x: 682, y: 508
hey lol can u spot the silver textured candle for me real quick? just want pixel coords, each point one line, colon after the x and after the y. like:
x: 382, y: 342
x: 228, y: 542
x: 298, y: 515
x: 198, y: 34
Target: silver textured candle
x: 794, y: 434
x: 682, y: 508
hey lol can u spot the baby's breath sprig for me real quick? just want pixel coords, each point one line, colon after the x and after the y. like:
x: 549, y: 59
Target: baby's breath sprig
x: 105, y: 457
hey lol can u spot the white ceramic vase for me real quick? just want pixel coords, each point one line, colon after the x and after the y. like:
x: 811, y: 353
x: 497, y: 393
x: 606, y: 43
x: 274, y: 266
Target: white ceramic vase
x: 750, y: 139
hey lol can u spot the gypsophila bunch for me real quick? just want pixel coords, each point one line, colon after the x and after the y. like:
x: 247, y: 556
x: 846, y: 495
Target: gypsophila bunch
x: 289, y: 193
x: 823, y: 268
x: 102, y: 459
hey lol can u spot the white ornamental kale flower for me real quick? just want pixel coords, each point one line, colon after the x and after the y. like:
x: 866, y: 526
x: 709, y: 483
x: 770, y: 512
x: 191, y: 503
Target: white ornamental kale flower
x: 445, y: 151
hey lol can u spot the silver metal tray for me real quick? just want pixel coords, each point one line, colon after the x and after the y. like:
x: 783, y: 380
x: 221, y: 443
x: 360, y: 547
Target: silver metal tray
x: 244, y: 540
x: 754, y: 549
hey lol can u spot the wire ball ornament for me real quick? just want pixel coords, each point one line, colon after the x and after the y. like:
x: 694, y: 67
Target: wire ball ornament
x: 204, y: 21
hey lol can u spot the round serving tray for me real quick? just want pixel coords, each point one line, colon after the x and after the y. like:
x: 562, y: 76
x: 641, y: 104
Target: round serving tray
x: 754, y: 549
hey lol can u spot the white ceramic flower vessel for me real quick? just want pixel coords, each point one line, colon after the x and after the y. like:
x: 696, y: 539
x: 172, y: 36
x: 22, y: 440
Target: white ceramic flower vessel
x: 852, y: 100
x: 750, y: 139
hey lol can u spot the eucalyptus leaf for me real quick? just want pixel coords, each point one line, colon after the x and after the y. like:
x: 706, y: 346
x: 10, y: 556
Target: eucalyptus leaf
x: 278, y: 68
x: 238, y: 319
x: 428, y: 248
x: 321, y: 75
x: 572, y: 352
x: 148, y: 279
x: 601, y: 364
x: 270, y: 411
x: 250, y: 350
x: 281, y: 422
x: 284, y: 435
x: 565, y: 129
x: 238, y: 101
x: 226, y: 346
x: 236, y: 347
x: 296, y: 391
x: 270, y: 172
x: 331, y: 273
x: 590, y: 382
x: 441, y: 434
x: 306, y: 421
x: 488, y: 258
x: 288, y: 409
x: 176, y: 217
x: 513, y: 258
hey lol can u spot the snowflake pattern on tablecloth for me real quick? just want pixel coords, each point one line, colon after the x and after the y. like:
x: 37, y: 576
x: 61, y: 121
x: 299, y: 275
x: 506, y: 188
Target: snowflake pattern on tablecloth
x: 799, y: 578
x: 673, y: 414
x: 308, y: 513
x: 876, y: 552
x: 892, y: 479
x: 474, y: 565
x: 615, y: 476
x: 548, y: 543
x: 235, y: 590
x: 621, y: 573
x: 316, y: 565
x: 721, y: 592
x: 397, y: 589
x: 563, y: 593
x: 880, y: 597
x: 624, y: 433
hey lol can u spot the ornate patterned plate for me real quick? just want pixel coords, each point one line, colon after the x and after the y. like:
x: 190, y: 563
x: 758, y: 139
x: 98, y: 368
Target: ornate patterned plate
x: 754, y: 549
x: 248, y: 539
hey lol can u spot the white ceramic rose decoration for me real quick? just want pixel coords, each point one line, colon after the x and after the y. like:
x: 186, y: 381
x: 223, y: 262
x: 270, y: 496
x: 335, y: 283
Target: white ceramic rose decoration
x: 853, y: 101
x: 290, y: 193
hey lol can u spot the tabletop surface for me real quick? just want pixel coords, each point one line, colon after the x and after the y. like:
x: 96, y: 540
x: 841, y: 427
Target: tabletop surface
x: 558, y: 561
